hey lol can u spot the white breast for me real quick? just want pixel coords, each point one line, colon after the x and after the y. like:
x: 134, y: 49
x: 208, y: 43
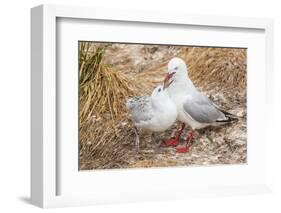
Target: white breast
x: 164, y: 117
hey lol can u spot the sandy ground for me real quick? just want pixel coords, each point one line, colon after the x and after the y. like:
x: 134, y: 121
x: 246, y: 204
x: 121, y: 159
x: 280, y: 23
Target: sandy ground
x: 213, y: 145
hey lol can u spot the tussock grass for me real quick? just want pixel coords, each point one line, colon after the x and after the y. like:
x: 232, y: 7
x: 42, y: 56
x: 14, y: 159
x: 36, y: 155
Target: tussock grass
x: 223, y: 67
x: 103, y: 94
x: 102, y: 89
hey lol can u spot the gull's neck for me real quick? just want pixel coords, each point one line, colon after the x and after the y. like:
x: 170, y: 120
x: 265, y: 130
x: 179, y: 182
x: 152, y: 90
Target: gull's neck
x: 181, y: 84
x: 160, y: 101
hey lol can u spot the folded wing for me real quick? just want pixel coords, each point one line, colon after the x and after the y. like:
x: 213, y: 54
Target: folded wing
x: 140, y: 109
x: 202, y: 110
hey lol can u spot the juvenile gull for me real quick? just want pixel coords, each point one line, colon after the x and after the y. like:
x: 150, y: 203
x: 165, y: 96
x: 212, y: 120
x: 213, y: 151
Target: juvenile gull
x: 155, y: 113
x: 194, y: 108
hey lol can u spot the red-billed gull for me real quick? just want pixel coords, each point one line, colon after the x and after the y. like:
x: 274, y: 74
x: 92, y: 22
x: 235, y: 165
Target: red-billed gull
x: 155, y: 113
x: 194, y: 108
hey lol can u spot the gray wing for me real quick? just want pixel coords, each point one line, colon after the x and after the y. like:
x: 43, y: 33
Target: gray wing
x: 140, y: 108
x: 202, y: 110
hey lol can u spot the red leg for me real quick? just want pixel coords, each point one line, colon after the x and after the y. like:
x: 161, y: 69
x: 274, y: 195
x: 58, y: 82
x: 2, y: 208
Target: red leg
x: 175, y: 141
x: 185, y: 149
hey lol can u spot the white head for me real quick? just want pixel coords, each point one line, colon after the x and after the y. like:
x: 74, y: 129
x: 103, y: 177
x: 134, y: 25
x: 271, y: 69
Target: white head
x: 159, y: 92
x: 177, y: 71
x: 161, y: 100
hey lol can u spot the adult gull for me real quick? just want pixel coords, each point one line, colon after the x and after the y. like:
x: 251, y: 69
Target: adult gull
x: 194, y: 108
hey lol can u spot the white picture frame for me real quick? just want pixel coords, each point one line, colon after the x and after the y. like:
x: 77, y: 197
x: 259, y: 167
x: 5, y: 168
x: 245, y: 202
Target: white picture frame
x: 45, y: 168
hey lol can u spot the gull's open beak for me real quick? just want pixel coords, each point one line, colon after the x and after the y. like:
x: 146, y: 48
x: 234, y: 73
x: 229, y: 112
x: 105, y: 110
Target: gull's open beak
x: 167, y: 79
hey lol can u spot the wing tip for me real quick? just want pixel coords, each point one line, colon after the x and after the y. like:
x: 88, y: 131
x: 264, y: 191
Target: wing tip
x: 232, y: 119
x: 229, y: 119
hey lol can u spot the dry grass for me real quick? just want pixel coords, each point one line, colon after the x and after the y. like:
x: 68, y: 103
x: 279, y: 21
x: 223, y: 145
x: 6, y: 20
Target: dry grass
x: 103, y: 94
x: 223, y: 67
x: 106, y: 136
x: 102, y: 89
x: 102, y: 143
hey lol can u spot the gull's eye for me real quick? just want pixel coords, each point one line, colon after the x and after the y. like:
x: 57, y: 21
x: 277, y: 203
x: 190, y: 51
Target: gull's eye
x: 159, y: 90
x: 176, y: 68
